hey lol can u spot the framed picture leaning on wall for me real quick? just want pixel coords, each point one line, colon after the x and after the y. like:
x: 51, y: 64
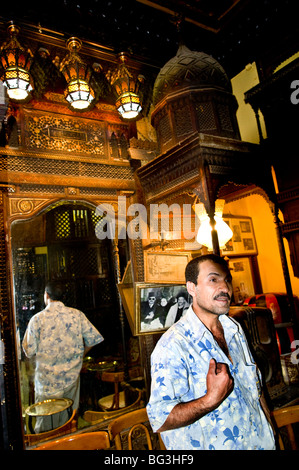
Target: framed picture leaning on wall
x: 159, y: 305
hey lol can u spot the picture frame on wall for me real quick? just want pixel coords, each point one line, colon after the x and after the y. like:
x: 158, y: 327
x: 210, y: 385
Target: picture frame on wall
x: 159, y: 305
x: 243, y: 241
x: 165, y: 267
x: 242, y: 279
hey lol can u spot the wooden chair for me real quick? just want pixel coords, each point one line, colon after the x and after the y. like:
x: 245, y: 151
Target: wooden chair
x: 68, y: 427
x: 133, y: 422
x: 86, y: 441
x: 94, y: 417
x: 285, y: 418
x: 112, y: 402
x: 121, y: 401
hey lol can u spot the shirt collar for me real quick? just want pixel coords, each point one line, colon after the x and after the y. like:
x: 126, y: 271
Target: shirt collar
x: 54, y: 305
x: 199, y: 329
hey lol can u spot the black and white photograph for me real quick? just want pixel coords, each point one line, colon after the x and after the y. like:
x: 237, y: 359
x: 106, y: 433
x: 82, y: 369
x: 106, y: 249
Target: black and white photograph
x: 159, y: 306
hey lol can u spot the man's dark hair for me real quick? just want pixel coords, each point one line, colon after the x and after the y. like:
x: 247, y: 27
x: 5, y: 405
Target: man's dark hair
x: 192, y: 268
x: 55, y: 290
x: 182, y: 293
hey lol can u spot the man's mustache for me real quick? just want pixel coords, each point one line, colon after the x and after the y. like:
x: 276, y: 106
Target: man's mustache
x: 222, y: 294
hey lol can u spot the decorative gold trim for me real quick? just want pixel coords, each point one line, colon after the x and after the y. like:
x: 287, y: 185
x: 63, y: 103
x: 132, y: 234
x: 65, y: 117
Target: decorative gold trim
x: 21, y: 152
x: 25, y: 206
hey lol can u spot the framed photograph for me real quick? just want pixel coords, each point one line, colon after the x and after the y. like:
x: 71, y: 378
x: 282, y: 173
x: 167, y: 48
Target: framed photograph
x: 243, y: 240
x: 159, y: 305
x: 126, y: 292
x: 165, y: 267
x: 243, y: 285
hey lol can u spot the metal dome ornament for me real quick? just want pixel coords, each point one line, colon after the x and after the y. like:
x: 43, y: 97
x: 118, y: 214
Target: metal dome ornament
x: 190, y: 69
x: 16, y: 61
x: 126, y: 86
x: 79, y: 94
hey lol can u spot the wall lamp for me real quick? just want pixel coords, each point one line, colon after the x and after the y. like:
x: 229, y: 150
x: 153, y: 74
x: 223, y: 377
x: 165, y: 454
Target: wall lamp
x: 204, y: 234
x: 126, y: 86
x: 79, y: 94
x: 16, y: 61
x: 82, y: 85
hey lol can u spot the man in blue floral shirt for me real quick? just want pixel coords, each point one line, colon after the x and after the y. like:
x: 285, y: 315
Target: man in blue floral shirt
x: 58, y: 337
x: 206, y: 388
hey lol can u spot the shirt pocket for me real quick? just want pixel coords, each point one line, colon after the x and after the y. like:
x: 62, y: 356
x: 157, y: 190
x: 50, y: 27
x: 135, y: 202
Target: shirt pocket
x: 197, y: 380
x: 244, y: 351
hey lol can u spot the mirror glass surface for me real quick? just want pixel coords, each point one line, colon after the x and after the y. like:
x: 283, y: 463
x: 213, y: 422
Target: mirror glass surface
x: 61, y: 243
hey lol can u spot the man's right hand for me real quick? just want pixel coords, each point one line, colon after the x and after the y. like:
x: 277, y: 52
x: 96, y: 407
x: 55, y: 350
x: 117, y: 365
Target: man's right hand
x: 219, y: 383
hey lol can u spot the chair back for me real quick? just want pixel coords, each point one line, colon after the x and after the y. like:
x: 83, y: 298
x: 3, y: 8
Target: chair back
x: 133, y: 422
x: 97, y: 440
x: 285, y: 418
x: 258, y: 326
x: 66, y: 428
x: 124, y: 399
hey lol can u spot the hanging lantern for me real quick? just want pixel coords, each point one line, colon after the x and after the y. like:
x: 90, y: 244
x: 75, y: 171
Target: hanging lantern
x: 16, y: 61
x: 204, y: 234
x: 126, y: 86
x: 78, y: 93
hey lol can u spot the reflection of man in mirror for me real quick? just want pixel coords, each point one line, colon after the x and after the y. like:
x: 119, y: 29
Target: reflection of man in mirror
x: 177, y: 310
x: 58, y: 337
x: 152, y: 313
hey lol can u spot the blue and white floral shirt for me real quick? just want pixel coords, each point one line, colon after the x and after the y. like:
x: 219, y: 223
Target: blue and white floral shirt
x: 179, y: 366
x: 57, y: 336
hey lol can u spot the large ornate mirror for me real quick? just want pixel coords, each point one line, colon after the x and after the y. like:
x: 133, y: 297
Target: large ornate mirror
x: 61, y: 243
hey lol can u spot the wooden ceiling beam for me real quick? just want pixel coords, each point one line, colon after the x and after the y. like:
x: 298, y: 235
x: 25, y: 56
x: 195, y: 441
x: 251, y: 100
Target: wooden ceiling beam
x: 171, y: 12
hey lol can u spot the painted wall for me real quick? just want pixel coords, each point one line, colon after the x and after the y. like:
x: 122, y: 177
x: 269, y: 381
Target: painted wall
x: 244, y: 81
x: 257, y: 208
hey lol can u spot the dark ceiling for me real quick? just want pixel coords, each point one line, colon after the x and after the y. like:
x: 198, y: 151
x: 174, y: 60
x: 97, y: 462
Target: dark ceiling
x: 235, y: 32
